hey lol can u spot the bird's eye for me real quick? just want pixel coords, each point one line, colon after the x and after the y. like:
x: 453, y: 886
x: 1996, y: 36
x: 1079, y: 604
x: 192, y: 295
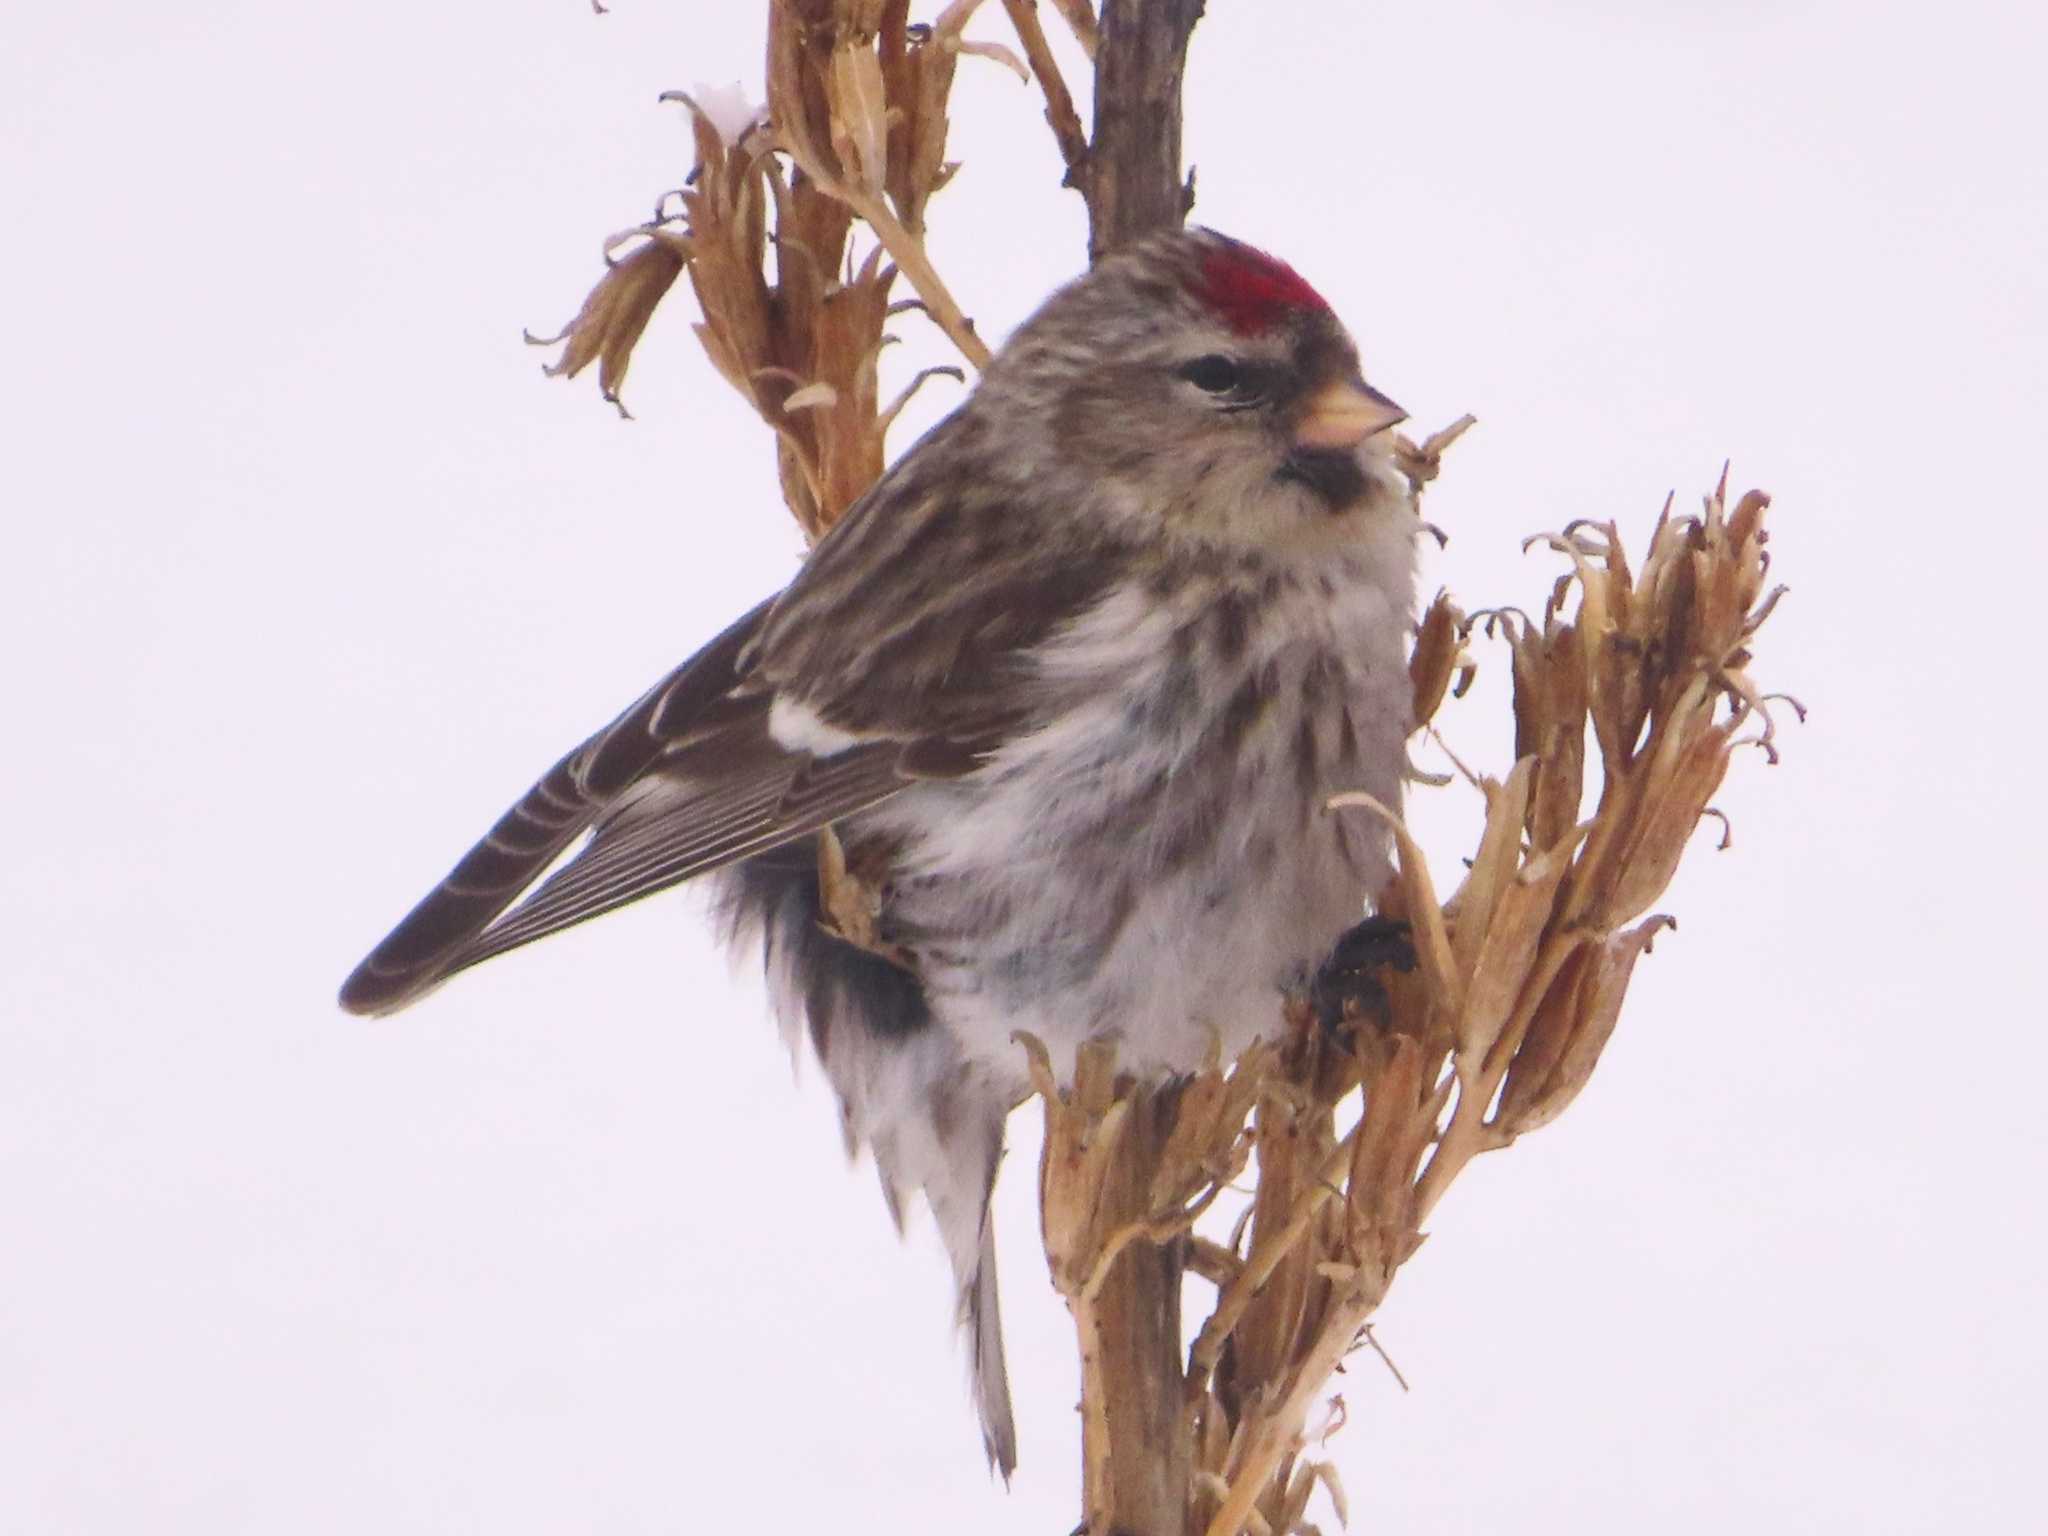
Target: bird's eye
x: 1214, y: 374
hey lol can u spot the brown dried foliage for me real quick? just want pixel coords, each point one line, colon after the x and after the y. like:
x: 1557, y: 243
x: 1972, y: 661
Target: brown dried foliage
x: 855, y: 137
x: 1520, y: 975
x: 1354, y: 1135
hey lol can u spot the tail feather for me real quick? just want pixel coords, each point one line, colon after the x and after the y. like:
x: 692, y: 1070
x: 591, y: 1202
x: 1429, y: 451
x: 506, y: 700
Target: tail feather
x: 933, y: 1124
x: 984, y: 1323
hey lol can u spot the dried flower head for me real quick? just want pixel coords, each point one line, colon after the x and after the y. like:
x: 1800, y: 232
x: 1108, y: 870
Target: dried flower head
x: 854, y: 134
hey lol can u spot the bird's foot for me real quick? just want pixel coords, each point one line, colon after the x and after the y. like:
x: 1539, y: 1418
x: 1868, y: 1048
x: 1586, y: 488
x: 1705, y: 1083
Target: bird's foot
x: 1345, y: 986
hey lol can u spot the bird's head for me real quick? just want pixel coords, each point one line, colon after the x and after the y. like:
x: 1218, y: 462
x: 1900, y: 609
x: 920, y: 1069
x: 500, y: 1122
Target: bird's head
x: 1193, y: 381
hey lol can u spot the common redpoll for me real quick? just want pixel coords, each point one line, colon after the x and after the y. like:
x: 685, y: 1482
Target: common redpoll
x: 1070, y: 685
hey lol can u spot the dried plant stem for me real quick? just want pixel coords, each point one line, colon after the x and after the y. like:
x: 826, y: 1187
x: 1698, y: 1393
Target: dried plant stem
x: 1278, y: 1433
x: 1059, y: 104
x: 1137, y: 1456
x: 908, y: 252
x: 1125, y: 1172
x: 1250, y: 1280
x: 1134, y: 176
x: 1080, y: 18
x: 1134, y: 1453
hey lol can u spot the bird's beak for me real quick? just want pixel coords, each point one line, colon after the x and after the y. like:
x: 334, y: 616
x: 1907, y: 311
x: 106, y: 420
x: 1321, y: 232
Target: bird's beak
x: 1344, y: 413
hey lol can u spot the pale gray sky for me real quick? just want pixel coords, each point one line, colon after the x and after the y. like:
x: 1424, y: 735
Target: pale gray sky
x: 310, y: 571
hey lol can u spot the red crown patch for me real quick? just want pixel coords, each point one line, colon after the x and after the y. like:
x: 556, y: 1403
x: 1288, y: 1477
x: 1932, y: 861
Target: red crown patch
x: 1252, y: 291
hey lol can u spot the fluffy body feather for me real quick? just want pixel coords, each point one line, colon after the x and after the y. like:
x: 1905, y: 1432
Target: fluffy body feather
x: 1070, y: 685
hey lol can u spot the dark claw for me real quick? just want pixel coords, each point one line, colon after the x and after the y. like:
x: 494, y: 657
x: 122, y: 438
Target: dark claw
x: 1378, y: 943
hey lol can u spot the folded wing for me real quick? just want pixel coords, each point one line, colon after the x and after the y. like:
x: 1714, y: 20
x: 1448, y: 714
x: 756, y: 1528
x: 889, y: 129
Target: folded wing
x: 924, y: 677
x: 685, y: 781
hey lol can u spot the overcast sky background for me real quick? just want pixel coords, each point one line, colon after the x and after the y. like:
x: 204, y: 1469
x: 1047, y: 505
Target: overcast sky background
x: 308, y: 572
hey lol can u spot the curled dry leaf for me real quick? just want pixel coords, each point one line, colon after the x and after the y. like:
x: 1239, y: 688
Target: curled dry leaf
x: 616, y: 312
x: 997, y: 53
x: 1421, y: 462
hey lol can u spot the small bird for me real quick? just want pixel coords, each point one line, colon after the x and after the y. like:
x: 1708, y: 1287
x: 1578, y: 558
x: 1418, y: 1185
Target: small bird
x: 1067, y: 691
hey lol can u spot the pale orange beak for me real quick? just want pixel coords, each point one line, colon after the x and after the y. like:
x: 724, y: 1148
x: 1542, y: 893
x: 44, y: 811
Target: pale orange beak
x: 1344, y: 414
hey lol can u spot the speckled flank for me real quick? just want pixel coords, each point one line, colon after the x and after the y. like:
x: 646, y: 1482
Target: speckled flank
x: 1054, y: 912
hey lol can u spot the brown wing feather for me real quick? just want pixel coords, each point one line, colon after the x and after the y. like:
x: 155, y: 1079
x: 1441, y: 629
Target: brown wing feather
x: 433, y: 940
x: 674, y: 834
x: 916, y: 616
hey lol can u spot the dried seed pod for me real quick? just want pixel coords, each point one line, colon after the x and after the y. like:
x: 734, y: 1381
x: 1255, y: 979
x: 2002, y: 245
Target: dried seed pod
x: 1438, y: 656
x: 616, y: 311
x: 1564, y: 1044
x: 858, y: 99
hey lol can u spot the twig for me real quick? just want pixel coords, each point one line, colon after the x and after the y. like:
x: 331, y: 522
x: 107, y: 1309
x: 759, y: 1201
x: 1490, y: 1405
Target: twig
x: 1059, y: 105
x: 907, y: 251
x: 1134, y: 175
x: 1386, y: 1359
x: 1080, y: 17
